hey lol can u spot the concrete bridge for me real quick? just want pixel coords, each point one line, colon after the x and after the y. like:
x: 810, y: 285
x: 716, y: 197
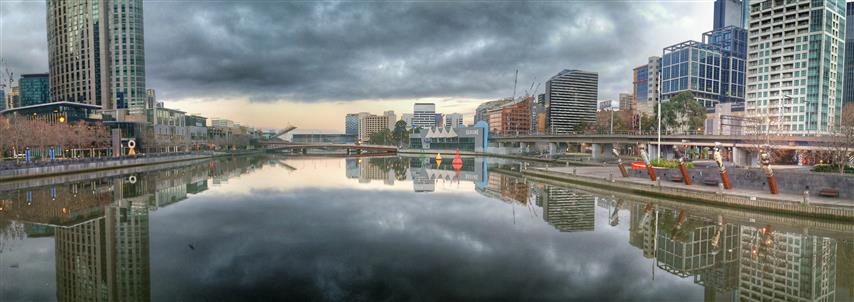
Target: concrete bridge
x: 742, y: 147
x: 303, y: 148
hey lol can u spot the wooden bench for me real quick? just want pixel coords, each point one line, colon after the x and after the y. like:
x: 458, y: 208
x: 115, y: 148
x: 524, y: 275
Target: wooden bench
x: 676, y: 178
x: 710, y: 181
x: 829, y: 192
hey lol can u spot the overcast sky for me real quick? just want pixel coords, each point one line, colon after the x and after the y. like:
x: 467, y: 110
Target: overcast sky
x: 307, y: 63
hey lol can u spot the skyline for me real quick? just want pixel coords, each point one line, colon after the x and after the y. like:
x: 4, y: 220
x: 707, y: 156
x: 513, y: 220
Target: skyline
x: 228, y: 66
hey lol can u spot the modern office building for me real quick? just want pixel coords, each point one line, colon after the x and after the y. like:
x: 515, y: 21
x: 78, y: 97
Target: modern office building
x: 571, y: 100
x: 197, y: 129
x: 640, y: 83
x: 729, y: 13
x: 424, y: 115
x: 453, y: 120
x: 35, y: 89
x: 370, y: 124
x: 568, y: 211
x: 4, y: 105
x: 712, y: 70
x: 351, y: 123
x: 848, y: 90
x: 538, y: 114
x: 96, y: 53
x: 795, y: 65
x: 222, y: 123
x: 13, y: 100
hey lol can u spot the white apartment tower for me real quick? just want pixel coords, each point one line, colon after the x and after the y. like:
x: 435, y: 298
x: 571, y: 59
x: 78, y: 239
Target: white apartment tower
x: 795, y: 65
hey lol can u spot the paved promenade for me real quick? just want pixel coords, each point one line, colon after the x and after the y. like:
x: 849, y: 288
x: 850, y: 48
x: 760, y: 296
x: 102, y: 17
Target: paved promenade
x: 613, y: 171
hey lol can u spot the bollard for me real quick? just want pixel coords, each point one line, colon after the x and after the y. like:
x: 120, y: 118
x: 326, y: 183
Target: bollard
x: 806, y: 197
x: 567, y: 164
x: 720, y: 188
x: 574, y: 172
x: 611, y: 177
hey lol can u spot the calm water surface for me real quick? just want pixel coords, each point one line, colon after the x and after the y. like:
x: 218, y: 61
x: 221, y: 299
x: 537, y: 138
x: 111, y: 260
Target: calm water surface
x: 392, y: 229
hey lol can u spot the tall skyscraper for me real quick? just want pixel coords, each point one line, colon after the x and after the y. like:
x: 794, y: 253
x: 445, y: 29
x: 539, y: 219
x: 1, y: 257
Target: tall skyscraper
x: 3, y: 103
x: 848, y: 90
x: 35, y: 89
x: 728, y: 13
x: 795, y: 65
x: 150, y: 98
x: 571, y: 100
x: 96, y: 53
x: 424, y: 115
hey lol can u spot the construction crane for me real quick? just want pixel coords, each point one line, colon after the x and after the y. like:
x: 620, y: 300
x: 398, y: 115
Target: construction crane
x: 515, y: 79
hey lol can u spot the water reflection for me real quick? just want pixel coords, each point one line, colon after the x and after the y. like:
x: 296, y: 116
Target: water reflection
x: 102, y: 245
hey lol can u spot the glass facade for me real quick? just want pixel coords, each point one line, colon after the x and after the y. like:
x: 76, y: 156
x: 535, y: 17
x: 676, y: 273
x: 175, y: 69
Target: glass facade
x: 35, y: 89
x: 641, y: 83
x: 712, y: 70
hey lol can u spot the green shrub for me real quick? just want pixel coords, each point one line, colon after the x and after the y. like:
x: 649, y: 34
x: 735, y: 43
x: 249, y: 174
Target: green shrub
x: 670, y: 164
x: 834, y: 168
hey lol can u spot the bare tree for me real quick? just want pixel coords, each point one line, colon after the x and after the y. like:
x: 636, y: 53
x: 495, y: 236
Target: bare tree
x: 842, y: 142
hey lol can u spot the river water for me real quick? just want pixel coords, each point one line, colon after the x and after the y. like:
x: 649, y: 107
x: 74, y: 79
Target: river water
x: 396, y: 229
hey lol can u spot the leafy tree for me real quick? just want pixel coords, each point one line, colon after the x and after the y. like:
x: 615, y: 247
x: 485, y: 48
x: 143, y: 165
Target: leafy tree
x: 382, y: 137
x: 683, y: 112
x: 400, y: 135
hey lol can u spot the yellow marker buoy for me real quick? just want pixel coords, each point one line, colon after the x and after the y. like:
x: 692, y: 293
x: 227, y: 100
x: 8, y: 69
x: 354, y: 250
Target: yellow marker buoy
x: 438, y: 156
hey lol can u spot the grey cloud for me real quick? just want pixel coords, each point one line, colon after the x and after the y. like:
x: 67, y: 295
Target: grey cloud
x: 339, y: 51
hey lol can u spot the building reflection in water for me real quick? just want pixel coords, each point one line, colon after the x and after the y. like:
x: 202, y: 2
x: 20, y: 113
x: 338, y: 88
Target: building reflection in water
x: 101, y: 230
x: 101, y: 227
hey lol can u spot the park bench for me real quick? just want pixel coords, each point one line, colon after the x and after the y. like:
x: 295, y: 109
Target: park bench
x: 829, y: 192
x: 710, y: 181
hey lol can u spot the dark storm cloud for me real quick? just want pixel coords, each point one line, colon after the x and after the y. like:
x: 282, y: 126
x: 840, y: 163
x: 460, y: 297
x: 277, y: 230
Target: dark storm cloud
x: 331, y: 51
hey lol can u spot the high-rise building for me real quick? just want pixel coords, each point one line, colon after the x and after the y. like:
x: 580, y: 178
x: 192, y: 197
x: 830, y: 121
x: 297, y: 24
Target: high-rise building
x: 571, y: 100
x: 453, y: 120
x: 407, y: 118
x: 150, y: 99
x: 14, y: 97
x: 4, y: 104
x: 728, y: 13
x: 640, y: 83
x: 627, y: 102
x: 35, y: 89
x: 371, y: 124
x: 848, y: 90
x: 392, y: 118
x: 424, y: 115
x: 653, y: 91
x: 795, y: 65
x: 351, y: 123
x: 96, y: 53
x: 712, y: 70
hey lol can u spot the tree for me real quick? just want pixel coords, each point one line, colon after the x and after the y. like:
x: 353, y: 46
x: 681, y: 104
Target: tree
x: 382, y: 137
x: 400, y: 135
x: 842, y: 144
x: 682, y: 113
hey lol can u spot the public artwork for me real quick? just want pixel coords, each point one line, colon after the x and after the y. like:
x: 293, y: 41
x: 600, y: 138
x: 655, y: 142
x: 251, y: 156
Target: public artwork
x: 680, y: 153
x: 720, y: 161
x: 765, y: 161
x: 649, y: 169
x: 620, y: 162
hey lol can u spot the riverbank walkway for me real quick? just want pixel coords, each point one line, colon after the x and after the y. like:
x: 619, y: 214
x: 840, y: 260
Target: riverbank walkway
x: 612, y: 172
